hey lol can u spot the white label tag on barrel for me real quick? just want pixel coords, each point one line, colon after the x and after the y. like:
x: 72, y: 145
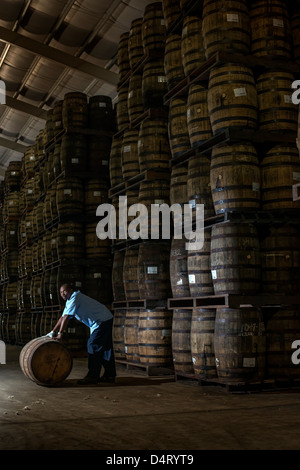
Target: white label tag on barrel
x: 28, y: 224
x: 152, y: 270
x: 193, y: 360
x: 278, y: 22
x: 232, y: 18
x: 127, y: 148
x: 248, y: 361
x: 29, y: 191
x: 102, y: 105
x: 10, y: 203
x: 50, y: 295
x: 53, y: 241
x: 240, y: 92
x: 104, y: 162
x: 214, y: 274
x: 58, y: 123
x: 161, y: 79
x: 13, y: 173
x: 130, y: 94
x: 97, y: 275
x: 78, y: 284
x: 296, y: 176
x: 32, y: 158
x: 75, y: 160
x: 12, y: 232
x: 70, y: 239
x: 255, y: 186
x: 97, y: 193
x: 162, y: 22
x: 166, y: 333
x: 179, y: 282
x: 288, y: 99
x: 188, y: 113
x: 67, y: 191
x: 192, y: 278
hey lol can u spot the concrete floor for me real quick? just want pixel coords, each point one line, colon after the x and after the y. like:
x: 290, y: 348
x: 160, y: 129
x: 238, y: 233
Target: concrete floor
x: 141, y: 413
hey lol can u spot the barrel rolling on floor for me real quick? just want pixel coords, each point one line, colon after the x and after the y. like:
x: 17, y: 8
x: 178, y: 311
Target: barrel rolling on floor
x: 45, y: 361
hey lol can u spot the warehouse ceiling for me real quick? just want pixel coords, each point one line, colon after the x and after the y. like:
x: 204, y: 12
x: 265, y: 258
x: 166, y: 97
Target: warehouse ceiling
x: 49, y: 48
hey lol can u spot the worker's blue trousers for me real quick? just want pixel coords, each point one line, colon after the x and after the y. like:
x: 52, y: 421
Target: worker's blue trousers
x: 101, y: 352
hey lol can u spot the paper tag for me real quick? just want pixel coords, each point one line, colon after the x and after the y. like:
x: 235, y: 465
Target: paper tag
x: 13, y: 173
x: 161, y: 79
x: 192, y: 278
x: 97, y: 275
x: 102, y: 105
x: 97, y: 193
x: 78, y: 284
x: 32, y: 157
x: 240, y: 92
x: 214, y: 274
x: 255, y: 186
x: 152, y: 270
x: 12, y: 232
x: 166, y: 332
x: 67, y: 191
x: 10, y: 203
x: 296, y: 176
x: 29, y: 191
x: 130, y: 94
x: 57, y: 123
x: 248, y: 361
x: 188, y: 113
x: 288, y: 98
x: 232, y: 18
x: 75, y: 160
x: 179, y: 282
x: 104, y: 162
x: 278, y: 22
x: 70, y: 238
x: 127, y: 148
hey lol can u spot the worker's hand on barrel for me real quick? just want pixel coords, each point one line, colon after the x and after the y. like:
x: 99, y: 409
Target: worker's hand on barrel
x: 59, y: 336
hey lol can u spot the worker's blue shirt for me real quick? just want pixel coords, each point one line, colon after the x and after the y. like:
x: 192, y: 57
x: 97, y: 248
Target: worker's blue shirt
x: 87, y: 310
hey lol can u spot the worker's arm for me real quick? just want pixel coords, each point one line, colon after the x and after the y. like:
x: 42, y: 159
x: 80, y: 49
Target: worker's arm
x: 61, y: 325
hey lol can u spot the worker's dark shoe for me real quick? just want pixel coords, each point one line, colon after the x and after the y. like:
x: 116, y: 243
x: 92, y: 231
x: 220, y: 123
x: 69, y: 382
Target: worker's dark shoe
x: 87, y: 380
x: 105, y: 379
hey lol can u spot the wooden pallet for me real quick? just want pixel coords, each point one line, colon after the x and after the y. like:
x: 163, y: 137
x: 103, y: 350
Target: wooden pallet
x: 265, y: 385
x: 149, y: 369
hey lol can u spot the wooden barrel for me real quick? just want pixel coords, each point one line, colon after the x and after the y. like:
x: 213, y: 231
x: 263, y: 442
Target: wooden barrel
x: 70, y: 240
x: 11, y: 240
x: 45, y: 361
x: 53, y: 288
x: 173, y: 61
x: 46, y: 288
x: 240, y: 345
x: 277, y: 112
x: 23, y: 328
x: 235, y: 259
x: 13, y: 176
x: 152, y: 194
x: 131, y: 336
x: 130, y: 273
x: 24, y: 293
x: 73, y: 153
x: 115, y: 162
x: 130, y: 157
x: 95, y: 193
x: 280, y: 169
x: 75, y: 110
x: 178, y: 186
x: 94, y: 247
x: 198, y: 184
x: 135, y: 97
x: 119, y: 334
x: 232, y: 98
x: 181, y: 342
x: 198, y: 266
x: 99, y: 148
x: 202, y: 343
x: 57, y: 119
x: 135, y: 42
x: 179, y: 269
x: 280, y: 256
x: 295, y: 25
x: 49, y: 131
x: 153, y: 144
x: 155, y: 337
x: 11, y: 260
x: 98, y: 283
x: 171, y: 11
x: 154, y: 270
x: 198, y: 122
x: 36, y: 292
x: 178, y: 129
x: 69, y: 196
x: 11, y: 210
x: 192, y: 48
x: 54, y: 244
x: 270, y: 29
x: 46, y: 248
x: 235, y: 178
x: 226, y: 27
x: 154, y: 83
x: 117, y: 276
x: 153, y: 28
x: 123, y: 57
x: 11, y: 295
x: 282, y: 329
x: 29, y: 160
x: 122, y: 107
x: 101, y: 113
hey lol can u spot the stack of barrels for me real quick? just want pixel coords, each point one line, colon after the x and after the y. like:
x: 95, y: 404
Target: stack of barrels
x: 141, y: 146
x: 236, y: 258
x: 65, y: 176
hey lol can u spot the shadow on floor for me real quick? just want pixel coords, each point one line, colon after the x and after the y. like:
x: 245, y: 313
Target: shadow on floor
x: 120, y: 382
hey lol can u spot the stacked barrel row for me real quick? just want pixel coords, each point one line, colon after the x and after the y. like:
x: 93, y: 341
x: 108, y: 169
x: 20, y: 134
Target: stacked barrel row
x: 141, y: 146
x: 65, y: 176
